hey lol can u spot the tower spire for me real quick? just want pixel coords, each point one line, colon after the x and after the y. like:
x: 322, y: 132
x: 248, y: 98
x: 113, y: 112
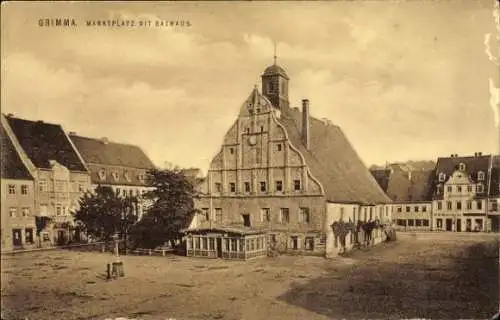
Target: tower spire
x: 275, y: 50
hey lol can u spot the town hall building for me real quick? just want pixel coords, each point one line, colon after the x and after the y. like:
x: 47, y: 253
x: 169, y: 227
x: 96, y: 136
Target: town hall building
x: 281, y: 178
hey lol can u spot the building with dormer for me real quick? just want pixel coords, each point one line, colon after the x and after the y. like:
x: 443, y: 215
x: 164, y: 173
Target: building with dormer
x: 60, y: 174
x: 18, y: 199
x: 122, y: 167
x: 461, y: 193
x: 282, y: 173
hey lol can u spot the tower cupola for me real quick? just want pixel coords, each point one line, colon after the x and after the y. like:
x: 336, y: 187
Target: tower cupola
x: 275, y: 85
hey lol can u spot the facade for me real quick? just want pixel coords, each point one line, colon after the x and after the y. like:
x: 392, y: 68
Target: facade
x: 122, y: 167
x: 461, y: 193
x: 18, y: 229
x: 494, y: 195
x: 410, y: 187
x: 60, y: 175
x: 288, y: 174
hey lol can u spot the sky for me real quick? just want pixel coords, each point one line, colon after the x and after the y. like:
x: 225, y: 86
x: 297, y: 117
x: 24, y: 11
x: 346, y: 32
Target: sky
x: 405, y: 80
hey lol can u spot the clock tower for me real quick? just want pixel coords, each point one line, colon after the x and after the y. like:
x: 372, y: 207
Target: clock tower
x: 275, y: 86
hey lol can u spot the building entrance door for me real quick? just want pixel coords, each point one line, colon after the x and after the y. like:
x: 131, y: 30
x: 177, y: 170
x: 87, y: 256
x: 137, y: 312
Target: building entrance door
x: 449, y: 223
x: 459, y: 225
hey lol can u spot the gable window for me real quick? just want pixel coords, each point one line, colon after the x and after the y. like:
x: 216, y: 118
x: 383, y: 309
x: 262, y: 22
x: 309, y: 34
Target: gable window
x: 231, y: 150
x: 440, y: 205
x: 459, y: 188
x: 479, y: 188
x: 400, y: 209
x: 102, y: 174
x: 304, y: 215
x: 232, y: 187
x: 461, y: 167
x: 218, y: 215
x: 285, y: 215
x: 469, y: 188
x: 263, y: 186
x: 265, y: 215
x: 247, y: 187
x: 480, y: 176
x: 218, y: 187
x: 26, y: 211
x: 448, y: 205
x: 42, y: 185
x: 24, y: 189
x: 424, y: 209
x: 246, y: 220
x: 449, y: 189
x: 126, y: 175
x: 442, y: 176
x: 12, y: 212
x: 12, y: 189
x: 279, y: 185
x: 278, y: 146
x: 296, y: 185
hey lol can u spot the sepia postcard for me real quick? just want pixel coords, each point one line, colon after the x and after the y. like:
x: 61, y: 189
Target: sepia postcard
x: 248, y: 160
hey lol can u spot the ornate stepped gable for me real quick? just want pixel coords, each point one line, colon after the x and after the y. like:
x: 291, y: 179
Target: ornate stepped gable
x: 329, y: 167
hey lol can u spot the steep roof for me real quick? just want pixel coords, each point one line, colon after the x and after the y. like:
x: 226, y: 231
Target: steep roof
x: 99, y: 151
x: 275, y: 70
x: 333, y: 161
x: 43, y: 142
x: 473, y: 165
x: 11, y: 166
x: 404, y: 185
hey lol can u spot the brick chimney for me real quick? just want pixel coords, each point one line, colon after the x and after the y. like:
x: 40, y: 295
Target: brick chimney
x: 305, y: 123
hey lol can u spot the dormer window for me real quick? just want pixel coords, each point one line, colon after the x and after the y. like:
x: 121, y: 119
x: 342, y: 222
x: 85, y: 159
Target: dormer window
x: 102, y: 174
x: 126, y: 175
x: 141, y: 177
x: 461, y: 167
x: 480, y: 176
x: 442, y: 176
x: 115, y: 175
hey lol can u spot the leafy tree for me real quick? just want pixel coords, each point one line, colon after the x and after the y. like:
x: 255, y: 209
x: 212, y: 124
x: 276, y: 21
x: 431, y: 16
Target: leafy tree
x: 173, y: 195
x: 103, y: 213
x: 341, y: 229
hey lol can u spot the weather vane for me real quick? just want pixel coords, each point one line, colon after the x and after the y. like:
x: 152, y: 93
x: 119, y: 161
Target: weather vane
x: 275, y: 50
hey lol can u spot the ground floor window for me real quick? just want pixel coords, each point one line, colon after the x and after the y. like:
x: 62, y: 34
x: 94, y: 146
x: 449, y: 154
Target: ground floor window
x: 16, y: 237
x: 309, y: 243
x: 410, y: 223
x: 439, y: 223
x: 425, y: 222
x: 29, y: 235
x: 418, y: 223
x: 401, y: 222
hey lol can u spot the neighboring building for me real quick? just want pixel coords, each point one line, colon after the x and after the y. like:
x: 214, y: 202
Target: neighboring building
x: 18, y: 229
x: 410, y: 188
x: 122, y: 167
x: 285, y: 174
x: 461, y: 193
x: 494, y: 194
x: 60, y: 175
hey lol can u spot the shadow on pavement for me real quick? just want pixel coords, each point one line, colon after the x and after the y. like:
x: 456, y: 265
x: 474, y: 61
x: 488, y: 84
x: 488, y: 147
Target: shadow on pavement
x: 453, y: 284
